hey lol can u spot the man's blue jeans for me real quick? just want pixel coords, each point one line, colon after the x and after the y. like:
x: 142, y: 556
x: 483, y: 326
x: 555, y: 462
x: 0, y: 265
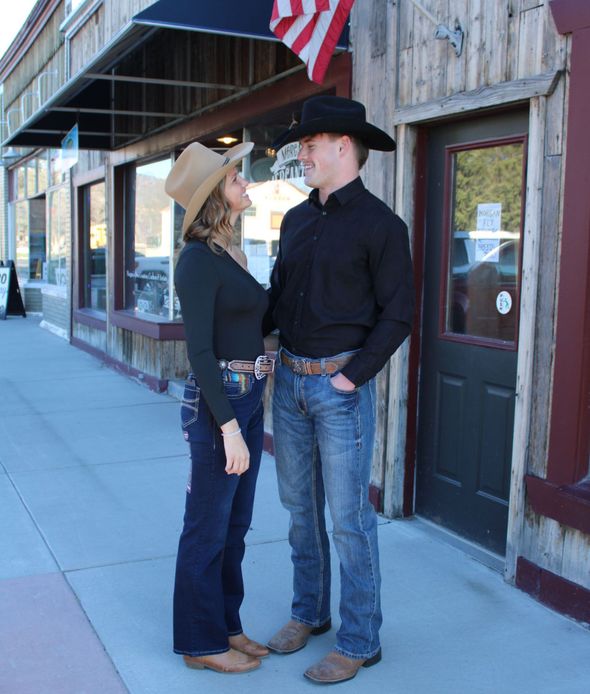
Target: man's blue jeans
x: 208, y: 589
x: 323, y: 441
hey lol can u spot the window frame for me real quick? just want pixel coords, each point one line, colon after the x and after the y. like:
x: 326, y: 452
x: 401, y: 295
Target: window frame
x: 444, y: 333
x: 124, y: 212
x: 82, y: 313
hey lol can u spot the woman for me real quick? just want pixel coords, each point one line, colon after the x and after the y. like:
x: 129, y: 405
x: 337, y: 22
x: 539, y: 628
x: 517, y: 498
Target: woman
x: 222, y: 308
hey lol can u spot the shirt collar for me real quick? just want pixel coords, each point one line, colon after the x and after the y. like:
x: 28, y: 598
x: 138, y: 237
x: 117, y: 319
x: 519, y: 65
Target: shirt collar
x: 341, y: 196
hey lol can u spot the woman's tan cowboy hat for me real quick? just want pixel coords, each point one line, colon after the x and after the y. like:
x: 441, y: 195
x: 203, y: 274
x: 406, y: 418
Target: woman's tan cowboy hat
x: 196, y: 172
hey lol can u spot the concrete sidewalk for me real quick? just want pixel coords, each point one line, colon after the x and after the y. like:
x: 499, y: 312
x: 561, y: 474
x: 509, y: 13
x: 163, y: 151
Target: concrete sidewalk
x: 92, y: 474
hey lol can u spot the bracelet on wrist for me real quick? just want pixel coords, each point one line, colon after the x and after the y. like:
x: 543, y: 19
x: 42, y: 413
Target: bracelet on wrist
x: 232, y: 433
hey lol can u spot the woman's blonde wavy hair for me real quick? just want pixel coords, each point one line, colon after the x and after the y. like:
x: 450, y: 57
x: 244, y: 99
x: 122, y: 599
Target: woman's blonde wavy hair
x: 212, y: 223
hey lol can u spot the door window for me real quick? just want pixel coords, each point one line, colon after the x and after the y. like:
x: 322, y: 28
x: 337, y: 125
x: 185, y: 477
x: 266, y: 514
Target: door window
x: 483, y: 271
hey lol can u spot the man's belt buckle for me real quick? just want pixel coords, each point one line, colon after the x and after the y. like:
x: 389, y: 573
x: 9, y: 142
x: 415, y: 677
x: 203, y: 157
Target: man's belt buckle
x: 299, y: 367
x: 262, y: 360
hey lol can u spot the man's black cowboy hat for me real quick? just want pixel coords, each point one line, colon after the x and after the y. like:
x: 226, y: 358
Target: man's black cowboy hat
x: 335, y: 114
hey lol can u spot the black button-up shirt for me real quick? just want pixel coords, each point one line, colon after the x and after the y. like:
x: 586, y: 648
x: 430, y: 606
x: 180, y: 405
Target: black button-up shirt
x: 342, y: 280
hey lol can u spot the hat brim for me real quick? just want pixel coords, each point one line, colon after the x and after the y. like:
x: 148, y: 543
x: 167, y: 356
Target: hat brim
x: 233, y: 156
x: 372, y: 136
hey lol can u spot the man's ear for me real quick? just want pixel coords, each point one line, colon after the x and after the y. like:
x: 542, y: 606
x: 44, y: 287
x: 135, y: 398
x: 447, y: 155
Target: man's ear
x: 345, y: 144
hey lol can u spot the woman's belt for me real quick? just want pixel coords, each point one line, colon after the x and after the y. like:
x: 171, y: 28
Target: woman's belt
x: 260, y: 368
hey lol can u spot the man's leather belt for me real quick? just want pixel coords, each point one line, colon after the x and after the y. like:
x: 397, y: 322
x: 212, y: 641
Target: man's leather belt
x: 313, y: 367
x: 260, y: 368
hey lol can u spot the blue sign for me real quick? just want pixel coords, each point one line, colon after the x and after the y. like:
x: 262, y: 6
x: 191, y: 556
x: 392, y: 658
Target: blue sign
x: 69, y: 149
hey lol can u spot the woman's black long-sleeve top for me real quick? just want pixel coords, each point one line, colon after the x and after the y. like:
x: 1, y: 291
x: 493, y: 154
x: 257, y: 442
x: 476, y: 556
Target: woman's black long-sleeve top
x: 222, y: 308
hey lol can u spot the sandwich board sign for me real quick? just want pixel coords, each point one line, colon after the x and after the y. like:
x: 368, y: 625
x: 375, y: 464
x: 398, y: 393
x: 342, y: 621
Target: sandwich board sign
x: 11, y: 302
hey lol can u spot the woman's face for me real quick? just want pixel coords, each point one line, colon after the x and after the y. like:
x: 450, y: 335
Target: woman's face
x: 235, y: 191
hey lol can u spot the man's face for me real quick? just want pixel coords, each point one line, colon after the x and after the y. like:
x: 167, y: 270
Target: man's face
x: 319, y: 156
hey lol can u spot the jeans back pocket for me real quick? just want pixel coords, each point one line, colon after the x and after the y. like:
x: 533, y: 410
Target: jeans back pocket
x: 189, y: 407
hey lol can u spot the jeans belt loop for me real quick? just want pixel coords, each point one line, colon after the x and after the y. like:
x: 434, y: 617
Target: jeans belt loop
x: 323, y: 366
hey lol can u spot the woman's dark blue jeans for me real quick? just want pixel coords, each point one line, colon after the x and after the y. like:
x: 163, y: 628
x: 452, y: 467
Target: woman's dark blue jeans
x: 209, y: 590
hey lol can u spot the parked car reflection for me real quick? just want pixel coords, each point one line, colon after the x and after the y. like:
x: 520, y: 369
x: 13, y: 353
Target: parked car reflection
x: 483, y: 265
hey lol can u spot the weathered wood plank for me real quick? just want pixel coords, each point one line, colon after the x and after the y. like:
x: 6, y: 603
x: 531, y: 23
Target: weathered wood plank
x: 87, y: 41
x: 576, y: 557
x: 397, y: 412
x: 476, y: 51
x: 378, y: 174
x: 91, y: 336
x: 457, y: 65
x: 530, y: 43
x: 555, y: 125
x: 526, y: 336
x: 484, y: 97
x: 512, y: 38
x: 553, y: 45
x: 549, y: 235
x: 542, y: 542
x: 404, y: 85
x: 495, y: 37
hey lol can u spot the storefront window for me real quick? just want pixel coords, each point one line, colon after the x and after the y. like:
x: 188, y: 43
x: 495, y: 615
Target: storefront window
x: 21, y: 190
x: 29, y: 219
x: 153, y: 241
x: 95, y: 247
x: 21, y: 223
x: 37, y: 249
x: 56, y: 175
x: 58, y: 231
x: 42, y: 173
x: 31, y: 169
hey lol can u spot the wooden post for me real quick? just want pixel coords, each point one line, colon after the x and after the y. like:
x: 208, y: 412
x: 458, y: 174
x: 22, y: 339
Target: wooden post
x: 526, y: 336
x: 397, y: 410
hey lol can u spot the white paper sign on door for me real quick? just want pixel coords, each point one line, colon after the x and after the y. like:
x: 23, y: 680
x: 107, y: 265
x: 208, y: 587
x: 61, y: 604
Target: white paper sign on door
x: 489, y: 216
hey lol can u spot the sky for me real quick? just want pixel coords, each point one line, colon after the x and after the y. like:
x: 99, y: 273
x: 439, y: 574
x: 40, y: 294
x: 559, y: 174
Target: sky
x: 14, y: 14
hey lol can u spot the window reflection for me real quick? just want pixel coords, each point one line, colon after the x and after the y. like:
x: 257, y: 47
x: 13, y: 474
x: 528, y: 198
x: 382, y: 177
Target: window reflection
x: 153, y: 242
x: 58, y: 228
x: 277, y: 186
x: 483, y: 283
x: 262, y: 222
x: 95, y: 247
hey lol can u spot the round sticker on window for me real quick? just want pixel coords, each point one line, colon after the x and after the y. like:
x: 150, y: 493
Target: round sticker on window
x: 503, y: 303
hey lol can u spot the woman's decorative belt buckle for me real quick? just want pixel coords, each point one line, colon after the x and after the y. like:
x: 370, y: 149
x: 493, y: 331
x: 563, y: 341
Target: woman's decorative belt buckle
x: 263, y: 361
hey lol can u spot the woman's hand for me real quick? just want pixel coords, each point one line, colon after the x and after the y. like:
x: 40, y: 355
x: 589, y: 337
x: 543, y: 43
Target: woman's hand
x: 237, y: 455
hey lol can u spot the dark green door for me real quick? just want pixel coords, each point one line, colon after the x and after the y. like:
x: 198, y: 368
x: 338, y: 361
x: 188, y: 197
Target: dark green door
x: 471, y: 298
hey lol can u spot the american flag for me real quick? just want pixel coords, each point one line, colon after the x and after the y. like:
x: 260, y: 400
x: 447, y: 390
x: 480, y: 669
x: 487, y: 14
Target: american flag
x: 311, y: 29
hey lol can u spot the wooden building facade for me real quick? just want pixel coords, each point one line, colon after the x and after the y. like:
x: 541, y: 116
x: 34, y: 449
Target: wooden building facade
x: 483, y: 426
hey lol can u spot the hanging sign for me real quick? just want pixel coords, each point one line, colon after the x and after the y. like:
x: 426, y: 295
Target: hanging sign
x: 287, y: 167
x: 11, y: 302
x: 69, y: 149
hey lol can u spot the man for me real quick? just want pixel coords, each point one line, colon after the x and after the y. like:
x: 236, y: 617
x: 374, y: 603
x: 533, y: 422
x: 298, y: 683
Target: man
x: 342, y: 298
